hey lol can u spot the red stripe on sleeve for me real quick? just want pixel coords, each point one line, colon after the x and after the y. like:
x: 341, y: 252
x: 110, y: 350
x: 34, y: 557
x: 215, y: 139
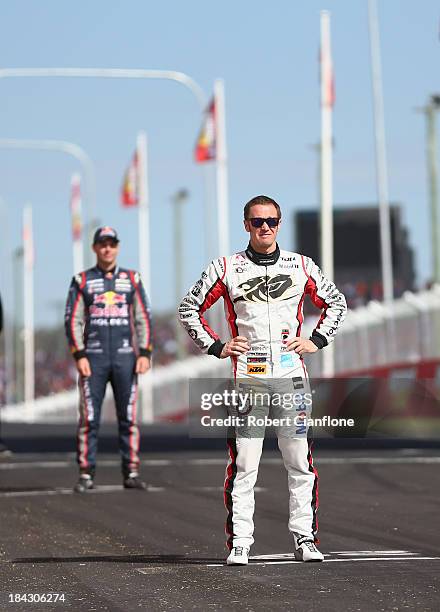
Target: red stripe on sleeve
x: 217, y: 290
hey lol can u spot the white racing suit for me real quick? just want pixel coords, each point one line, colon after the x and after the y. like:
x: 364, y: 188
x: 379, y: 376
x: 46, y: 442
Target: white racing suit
x: 263, y: 298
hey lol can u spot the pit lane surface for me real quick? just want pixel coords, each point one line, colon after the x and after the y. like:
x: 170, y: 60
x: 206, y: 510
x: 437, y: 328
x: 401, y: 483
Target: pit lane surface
x: 163, y: 549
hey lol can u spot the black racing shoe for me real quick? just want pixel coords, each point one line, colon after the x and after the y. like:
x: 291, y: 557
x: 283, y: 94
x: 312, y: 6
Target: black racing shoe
x: 84, y: 484
x: 132, y: 481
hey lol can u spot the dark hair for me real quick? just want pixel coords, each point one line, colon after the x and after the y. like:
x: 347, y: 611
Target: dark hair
x: 261, y: 199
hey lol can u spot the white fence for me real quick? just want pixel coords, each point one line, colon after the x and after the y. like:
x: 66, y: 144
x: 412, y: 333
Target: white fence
x: 406, y: 332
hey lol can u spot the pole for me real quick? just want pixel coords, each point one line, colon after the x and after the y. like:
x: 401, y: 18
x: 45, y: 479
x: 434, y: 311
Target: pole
x: 145, y: 387
x: 326, y: 151
x: 108, y: 73
x: 143, y: 210
x: 381, y: 159
x: 8, y: 319
x: 178, y: 201
x: 209, y: 213
x: 70, y: 148
x: 431, y: 152
x: 17, y: 280
x: 77, y: 224
x: 222, y: 169
x: 326, y: 216
x: 28, y: 299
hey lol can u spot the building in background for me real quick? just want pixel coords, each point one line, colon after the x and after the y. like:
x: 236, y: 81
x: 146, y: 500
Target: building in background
x: 357, y: 250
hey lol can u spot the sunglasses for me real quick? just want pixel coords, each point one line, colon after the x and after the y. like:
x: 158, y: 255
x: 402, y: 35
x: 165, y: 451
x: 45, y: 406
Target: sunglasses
x: 259, y: 221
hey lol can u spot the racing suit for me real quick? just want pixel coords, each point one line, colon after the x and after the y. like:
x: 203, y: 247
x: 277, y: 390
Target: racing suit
x: 263, y: 299
x: 102, y: 309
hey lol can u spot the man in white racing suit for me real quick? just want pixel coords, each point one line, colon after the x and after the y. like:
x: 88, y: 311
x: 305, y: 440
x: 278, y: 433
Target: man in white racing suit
x: 263, y: 289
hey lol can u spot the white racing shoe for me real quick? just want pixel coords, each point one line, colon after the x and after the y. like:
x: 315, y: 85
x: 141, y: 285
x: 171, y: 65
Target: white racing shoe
x: 305, y: 548
x: 238, y: 556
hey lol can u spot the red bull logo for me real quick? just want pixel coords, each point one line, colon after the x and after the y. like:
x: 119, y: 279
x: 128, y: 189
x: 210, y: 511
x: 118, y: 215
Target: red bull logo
x: 109, y: 304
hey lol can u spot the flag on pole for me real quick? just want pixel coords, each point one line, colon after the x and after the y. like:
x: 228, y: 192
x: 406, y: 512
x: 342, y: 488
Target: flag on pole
x: 130, y: 185
x: 327, y: 76
x: 205, y: 149
x: 75, y: 208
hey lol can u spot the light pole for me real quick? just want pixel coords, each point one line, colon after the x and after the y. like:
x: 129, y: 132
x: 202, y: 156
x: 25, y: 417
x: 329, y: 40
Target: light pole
x: 430, y: 110
x: 74, y: 150
x: 381, y: 159
x: 178, y: 200
x: 28, y: 309
x: 18, y: 323
x: 172, y: 75
x: 8, y: 317
x: 109, y: 73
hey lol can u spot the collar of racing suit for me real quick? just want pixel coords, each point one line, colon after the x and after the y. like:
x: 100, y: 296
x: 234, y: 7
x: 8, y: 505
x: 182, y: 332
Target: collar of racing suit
x: 104, y: 272
x: 263, y: 259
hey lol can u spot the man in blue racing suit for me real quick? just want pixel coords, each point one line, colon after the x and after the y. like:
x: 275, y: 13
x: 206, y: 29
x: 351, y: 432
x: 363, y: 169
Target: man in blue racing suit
x: 263, y: 289
x: 105, y: 305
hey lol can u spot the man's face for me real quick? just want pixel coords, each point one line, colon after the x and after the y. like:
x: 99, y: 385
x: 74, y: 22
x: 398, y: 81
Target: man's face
x: 264, y: 237
x: 106, y: 252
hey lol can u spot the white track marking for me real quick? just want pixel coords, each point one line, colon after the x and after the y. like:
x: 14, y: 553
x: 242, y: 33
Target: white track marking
x: 374, y: 460
x: 221, y: 461
x: 344, y: 560
x: 370, y: 553
x: 350, y: 553
x: 109, y: 489
x: 70, y: 491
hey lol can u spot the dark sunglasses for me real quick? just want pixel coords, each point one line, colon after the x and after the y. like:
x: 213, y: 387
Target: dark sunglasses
x: 259, y: 221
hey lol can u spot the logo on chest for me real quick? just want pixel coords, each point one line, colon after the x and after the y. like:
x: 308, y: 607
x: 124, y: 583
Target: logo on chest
x: 109, y: 304
x: 267, y: 289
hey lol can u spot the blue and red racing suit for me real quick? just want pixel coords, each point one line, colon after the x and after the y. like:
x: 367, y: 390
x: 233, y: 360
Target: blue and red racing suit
x: 108, y: 321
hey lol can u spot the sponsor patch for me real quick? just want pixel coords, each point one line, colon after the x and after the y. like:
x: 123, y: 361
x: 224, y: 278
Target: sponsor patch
x: 256, y: 359
x: 256, y: 369
x: 95, y: 286
x: 286, y: 360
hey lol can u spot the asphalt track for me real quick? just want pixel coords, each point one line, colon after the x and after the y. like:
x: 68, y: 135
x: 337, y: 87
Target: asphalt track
x: 163, y: 549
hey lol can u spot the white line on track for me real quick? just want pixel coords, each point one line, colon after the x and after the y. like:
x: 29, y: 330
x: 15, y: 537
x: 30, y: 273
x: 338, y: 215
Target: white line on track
x: 220, y: 461
x: 369, y: 553
x: 109, y: 489
x: 288, y: 562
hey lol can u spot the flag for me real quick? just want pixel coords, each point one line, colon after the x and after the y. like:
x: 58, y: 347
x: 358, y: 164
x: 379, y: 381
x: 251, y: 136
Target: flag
x: 327, y: 77
x: 75, y: 208
x: 130, y: 188
x: 206, y: 142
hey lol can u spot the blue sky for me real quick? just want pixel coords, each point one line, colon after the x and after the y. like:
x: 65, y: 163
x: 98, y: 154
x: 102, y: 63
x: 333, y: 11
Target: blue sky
x: 267, y: 55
